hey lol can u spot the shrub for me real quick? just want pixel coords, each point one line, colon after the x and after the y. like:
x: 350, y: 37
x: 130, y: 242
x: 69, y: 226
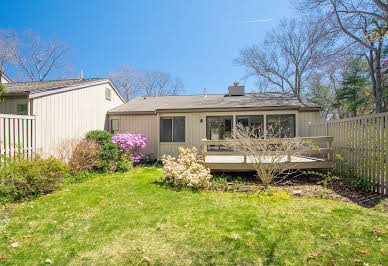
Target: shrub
x: 187, y: 171
x: 131, y: 145
x: 23, y: 177
x: 86, y: 156
x: 109, y: 151
x: 65, y: 149
x: 125, y: 164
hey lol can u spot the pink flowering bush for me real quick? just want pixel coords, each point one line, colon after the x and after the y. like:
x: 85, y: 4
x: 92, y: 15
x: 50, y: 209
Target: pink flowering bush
x: 131, y: 145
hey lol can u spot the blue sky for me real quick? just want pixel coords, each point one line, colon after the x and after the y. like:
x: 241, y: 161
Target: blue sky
x: 194, y: 40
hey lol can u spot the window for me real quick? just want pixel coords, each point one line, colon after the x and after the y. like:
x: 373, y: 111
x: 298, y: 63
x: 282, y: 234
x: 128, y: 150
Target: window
x: 218, y: 128
x: 172, y: 129
x: 285, y: 123
x: 22, y: 109
x: 108, y: 94
x: 251, y: 121
x: 114, y: 126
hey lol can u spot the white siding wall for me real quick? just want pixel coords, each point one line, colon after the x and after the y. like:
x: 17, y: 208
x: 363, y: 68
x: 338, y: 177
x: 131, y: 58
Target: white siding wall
x: 10, y: 105
x: 4, y: 79
x: 69, y: 115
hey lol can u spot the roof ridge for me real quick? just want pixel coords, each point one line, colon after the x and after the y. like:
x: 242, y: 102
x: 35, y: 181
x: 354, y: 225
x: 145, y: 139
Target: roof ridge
x: 207, y: 94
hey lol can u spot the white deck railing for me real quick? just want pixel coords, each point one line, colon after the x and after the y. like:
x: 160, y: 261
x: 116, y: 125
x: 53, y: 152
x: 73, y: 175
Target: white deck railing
x: 288, y: 156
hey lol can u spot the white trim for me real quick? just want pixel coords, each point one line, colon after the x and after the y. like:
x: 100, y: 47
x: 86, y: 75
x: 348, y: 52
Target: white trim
x: 18, y: 116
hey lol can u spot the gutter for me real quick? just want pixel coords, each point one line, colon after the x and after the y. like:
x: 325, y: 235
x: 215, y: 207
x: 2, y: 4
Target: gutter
x: 196, y: 110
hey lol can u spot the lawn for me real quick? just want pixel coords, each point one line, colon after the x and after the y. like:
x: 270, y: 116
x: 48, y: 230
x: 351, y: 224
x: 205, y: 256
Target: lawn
x: 129, y: 219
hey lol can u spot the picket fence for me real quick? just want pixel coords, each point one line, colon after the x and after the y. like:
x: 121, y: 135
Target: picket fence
x: 17, y: 135
x: 362, y: 142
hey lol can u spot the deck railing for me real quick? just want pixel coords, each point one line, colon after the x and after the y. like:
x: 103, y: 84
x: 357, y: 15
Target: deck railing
x: 308, y: 150
x: 17, y: 134
x: 363, y: 143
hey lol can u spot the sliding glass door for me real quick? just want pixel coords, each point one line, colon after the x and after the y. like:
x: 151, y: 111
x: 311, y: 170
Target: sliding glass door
x: 218, y: 128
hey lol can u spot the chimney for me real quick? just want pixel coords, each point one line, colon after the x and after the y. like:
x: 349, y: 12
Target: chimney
x: 236, y: 90
x: 204, y: 92
x: 81, y: 76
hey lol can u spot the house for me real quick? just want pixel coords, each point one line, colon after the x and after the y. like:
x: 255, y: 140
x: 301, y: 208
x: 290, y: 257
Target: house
x: 173, y: 121
x: 5, y: 78
x: 63, y: 109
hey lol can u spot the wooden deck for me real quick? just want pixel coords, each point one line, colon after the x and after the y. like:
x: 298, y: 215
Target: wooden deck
x: 307, y: 159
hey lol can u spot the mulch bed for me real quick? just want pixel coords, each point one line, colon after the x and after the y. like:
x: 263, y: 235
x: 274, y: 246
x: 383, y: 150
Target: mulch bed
x: 307, y: 185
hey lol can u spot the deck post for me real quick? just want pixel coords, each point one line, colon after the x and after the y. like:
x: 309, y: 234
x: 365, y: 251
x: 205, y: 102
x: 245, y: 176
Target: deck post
x: 204, y: 148
x: 330, y: 155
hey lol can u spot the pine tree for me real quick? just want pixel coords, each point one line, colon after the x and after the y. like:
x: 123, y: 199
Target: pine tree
x: 355, y: 93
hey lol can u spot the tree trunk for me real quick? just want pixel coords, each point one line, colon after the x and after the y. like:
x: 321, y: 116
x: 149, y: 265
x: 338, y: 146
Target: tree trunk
x: 379, y: 90
x: 372, y: 74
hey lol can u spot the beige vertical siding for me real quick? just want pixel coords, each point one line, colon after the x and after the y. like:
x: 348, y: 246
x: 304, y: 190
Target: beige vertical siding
x: 69, y: 115
x: 195, y: 129
x: 306, y: 119
x: 141, y: 124
x: 10, y: 105
x: 194, y: 132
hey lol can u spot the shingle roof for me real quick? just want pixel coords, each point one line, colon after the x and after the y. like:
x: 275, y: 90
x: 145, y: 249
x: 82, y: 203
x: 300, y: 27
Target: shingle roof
x: 26, y: 87
x: 213, y: 101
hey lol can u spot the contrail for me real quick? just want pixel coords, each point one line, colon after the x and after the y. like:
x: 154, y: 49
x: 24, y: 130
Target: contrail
x: 257, y: 20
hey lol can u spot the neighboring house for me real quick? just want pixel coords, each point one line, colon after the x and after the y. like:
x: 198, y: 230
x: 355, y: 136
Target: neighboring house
x: 63, y: 109
x: 5, y: 78
x: 173, y: 121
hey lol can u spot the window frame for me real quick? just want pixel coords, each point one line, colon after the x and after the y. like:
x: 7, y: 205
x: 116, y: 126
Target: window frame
x: 172, y: 129
x: 26, y: 108
x: 108, y: 94
x: 282, y: 115
x: 224, y: 117
x: 218, y: 116
x: 250, y: 118
x: 111, y: 126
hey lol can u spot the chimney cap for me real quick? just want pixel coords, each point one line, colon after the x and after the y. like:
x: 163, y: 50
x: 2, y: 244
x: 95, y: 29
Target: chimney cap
x: 235, y: 83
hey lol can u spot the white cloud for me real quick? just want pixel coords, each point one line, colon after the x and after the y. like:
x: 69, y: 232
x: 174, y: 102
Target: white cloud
x: 257, y: 20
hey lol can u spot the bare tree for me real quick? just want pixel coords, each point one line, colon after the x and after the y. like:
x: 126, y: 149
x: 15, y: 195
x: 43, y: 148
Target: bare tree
x: 147, y: 83
x: 271, y: 155
x: 288, y: 55
x: 6, y: 42
x: 362, y: 23
x: 159, y: 83
x: 126, y: 78
x: 37, y: 58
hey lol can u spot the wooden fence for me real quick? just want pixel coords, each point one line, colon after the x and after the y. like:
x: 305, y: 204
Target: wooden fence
x: 363, y: 144
x: 17, y: 134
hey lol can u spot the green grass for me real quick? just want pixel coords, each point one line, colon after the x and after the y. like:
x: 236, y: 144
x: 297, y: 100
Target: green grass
x: 123, y: 218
